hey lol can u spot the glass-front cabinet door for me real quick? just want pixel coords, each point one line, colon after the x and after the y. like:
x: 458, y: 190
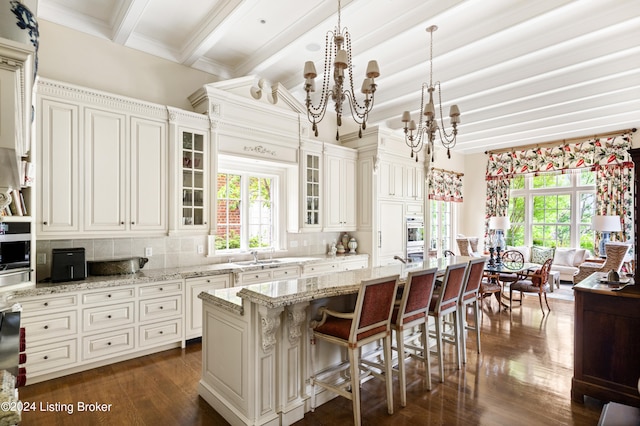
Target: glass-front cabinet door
x: 193, y: 211
x: 311, y: 187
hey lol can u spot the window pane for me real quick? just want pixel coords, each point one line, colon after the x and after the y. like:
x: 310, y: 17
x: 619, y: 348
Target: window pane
x: 517, y: 182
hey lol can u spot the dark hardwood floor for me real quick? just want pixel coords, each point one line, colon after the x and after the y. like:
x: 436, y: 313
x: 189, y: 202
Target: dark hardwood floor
x: 522, y: 377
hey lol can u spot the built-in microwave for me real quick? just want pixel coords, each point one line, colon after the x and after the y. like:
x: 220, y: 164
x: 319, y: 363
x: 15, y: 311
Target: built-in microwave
x: 15, y: 245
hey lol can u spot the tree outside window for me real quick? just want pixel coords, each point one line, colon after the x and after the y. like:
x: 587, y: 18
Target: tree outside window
x: 245, y: 218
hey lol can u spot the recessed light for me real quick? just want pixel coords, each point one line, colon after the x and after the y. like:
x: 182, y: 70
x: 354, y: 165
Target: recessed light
x: 263, y: 21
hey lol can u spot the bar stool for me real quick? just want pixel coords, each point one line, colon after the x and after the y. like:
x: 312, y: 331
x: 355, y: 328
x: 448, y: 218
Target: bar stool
x: 443, y: 303
x: 370, y: 321
x: 411, y: 311
x: 469, y: 296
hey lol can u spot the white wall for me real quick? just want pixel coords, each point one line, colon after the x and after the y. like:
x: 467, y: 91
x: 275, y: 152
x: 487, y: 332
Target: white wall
x: 78, y: 58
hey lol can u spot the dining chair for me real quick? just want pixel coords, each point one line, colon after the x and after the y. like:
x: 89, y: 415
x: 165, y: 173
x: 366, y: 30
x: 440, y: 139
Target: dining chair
x: 511, y: 259
x: 469, y: 297
x: 369, y: 322
x: 445, y: 302
x: 409, y: 312
x: 536, y: 282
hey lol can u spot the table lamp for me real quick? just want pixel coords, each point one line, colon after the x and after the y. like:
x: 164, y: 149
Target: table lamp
x: 605, y: 225
x: 499, y: 224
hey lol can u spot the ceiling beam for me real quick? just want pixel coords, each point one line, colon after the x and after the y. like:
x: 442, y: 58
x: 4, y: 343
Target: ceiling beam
x: 126, y: 20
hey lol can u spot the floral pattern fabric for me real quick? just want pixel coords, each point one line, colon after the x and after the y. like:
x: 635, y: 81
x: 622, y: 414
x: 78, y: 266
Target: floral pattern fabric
x: 608, y: 157
x: 445, y: 185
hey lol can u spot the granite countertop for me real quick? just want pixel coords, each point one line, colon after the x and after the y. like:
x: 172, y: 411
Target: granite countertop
x: 154, y: 275
x: 275, y: 294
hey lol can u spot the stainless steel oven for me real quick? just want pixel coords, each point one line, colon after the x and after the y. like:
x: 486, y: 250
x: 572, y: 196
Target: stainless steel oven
x: 415, y: 239
x: 15, y: 252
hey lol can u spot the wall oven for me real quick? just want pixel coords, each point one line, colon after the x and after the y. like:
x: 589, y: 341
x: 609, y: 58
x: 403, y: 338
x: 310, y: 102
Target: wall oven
x: 15, y: 252
x: 415, y: 239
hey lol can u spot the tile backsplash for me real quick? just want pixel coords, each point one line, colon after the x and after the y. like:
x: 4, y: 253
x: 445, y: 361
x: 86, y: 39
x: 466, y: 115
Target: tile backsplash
x: 173, y: 251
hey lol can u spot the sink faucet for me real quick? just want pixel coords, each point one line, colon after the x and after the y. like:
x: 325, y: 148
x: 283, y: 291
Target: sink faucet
x: 400, y: 259
x: 254, y: 253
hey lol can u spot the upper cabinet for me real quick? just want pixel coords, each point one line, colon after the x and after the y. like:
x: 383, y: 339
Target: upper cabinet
x: 340, y: 188
x: 104, y: 165
x: 311, y: 171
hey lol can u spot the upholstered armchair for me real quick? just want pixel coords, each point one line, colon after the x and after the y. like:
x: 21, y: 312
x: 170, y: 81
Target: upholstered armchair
x: 615, y: 257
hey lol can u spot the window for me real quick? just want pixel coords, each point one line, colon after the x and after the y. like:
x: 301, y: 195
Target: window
x: 246, y: 210
x: 440, y: 227
x: 552, y: 210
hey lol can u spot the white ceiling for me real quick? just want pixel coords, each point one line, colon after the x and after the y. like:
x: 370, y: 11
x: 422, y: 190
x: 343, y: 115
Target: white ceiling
x: 521, y: 71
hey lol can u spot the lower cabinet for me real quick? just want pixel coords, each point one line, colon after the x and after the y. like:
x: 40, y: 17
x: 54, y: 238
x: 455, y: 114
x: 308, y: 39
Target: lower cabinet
x: 195, y: 286
x: 73, y: 331
x: 264, y: 275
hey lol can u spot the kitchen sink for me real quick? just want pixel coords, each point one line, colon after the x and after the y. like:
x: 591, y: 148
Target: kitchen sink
x: 258, y: 262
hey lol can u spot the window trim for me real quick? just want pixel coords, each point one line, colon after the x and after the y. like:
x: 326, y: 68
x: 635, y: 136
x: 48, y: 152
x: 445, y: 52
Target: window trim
x: 246, y: 167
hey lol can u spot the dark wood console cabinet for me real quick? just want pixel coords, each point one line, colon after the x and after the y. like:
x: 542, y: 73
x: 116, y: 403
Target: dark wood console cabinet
x: 606, y: 343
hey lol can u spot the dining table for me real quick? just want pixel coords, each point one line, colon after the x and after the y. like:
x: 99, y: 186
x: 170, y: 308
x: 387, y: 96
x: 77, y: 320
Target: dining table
x: 493, y: 271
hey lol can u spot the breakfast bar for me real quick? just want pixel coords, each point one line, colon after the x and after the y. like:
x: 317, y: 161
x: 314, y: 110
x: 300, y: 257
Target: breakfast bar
x: 255, y: 355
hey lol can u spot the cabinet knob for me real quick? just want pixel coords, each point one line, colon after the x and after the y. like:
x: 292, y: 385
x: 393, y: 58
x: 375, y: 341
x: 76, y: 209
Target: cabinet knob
x: 45, y: 223
x: 133, y: 223
x: 121, y: 223
x: 109, y: 316
x: 108, y: 295
x: 108, y: 343
x: 161, y: 332
x: 161, y: 288
x: 46, y: 327
x: 46, y: 303
x: 46, y: 357
x: 161, y: 308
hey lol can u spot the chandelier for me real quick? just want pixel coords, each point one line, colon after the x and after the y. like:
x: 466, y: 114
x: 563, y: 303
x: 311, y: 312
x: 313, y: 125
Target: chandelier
x: 337, y: 63
x: 430, y: 126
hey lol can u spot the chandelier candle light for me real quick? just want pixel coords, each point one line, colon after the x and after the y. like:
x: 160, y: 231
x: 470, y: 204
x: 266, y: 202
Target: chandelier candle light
x: 430, y: 126
x: 338, y: 63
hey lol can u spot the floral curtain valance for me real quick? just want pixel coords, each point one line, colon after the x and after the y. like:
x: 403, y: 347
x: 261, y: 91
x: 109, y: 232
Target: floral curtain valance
x: 445, y: 185
x: 594, y: 154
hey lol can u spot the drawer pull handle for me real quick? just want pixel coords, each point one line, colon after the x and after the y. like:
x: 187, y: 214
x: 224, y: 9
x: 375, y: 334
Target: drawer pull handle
x: 257, y: 276
x: 46, y: 327
x: 109, y: 316
x: 160, y: 307
x: 46, y: 303
x: 161, y: 288
x: 161, y: 331
x: 108, y: 343
x: 108, y: 295
x: 46, y: 357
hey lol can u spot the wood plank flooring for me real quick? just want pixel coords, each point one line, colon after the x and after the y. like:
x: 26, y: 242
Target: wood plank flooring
x: 522, y: 377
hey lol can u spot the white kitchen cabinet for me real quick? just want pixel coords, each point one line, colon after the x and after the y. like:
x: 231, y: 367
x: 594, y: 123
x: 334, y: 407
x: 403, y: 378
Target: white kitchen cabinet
x: 59, y: 167
x: 103, y: 166
x: 340, y: 188
x: 16, y: 84
x: 265, y: 275
x: 195, y: 286
x: 105, y: 175
x: 194, y: 175
x: 311, y: 173
x: 391, y: 180
x: 391, y: 236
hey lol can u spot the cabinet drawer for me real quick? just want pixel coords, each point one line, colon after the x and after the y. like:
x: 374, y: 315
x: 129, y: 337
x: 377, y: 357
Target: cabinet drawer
x: 44, y: 327
x: 160, y: 289
x: 255, y: 277
x: 159, y: 333
x: 291, y: 272
x: 357, y: 264
x: 45, y: 304
x: 320, y: 268
x: 107, y: 343
x: 160, y: 308
x: 114, y: 294
x: 52, y: 356
x: 108, y: 316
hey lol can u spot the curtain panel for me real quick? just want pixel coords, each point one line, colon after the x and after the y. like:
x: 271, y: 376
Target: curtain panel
x: 445, y: 185
x: 608, y: 157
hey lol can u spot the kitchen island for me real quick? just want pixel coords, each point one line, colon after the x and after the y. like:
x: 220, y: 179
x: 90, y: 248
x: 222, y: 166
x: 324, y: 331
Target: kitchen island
x: 255, y: 346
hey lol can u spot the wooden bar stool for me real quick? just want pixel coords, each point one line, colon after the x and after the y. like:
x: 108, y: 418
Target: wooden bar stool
x: 370, y: 321
x: 469, y: 296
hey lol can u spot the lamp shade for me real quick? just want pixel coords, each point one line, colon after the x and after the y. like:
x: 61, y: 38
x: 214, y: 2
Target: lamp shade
x: 499, y: 222
x: 606, y: 223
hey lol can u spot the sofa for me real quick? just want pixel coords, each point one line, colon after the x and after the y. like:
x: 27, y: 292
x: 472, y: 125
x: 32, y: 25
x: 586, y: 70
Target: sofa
x: 566, y: 261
